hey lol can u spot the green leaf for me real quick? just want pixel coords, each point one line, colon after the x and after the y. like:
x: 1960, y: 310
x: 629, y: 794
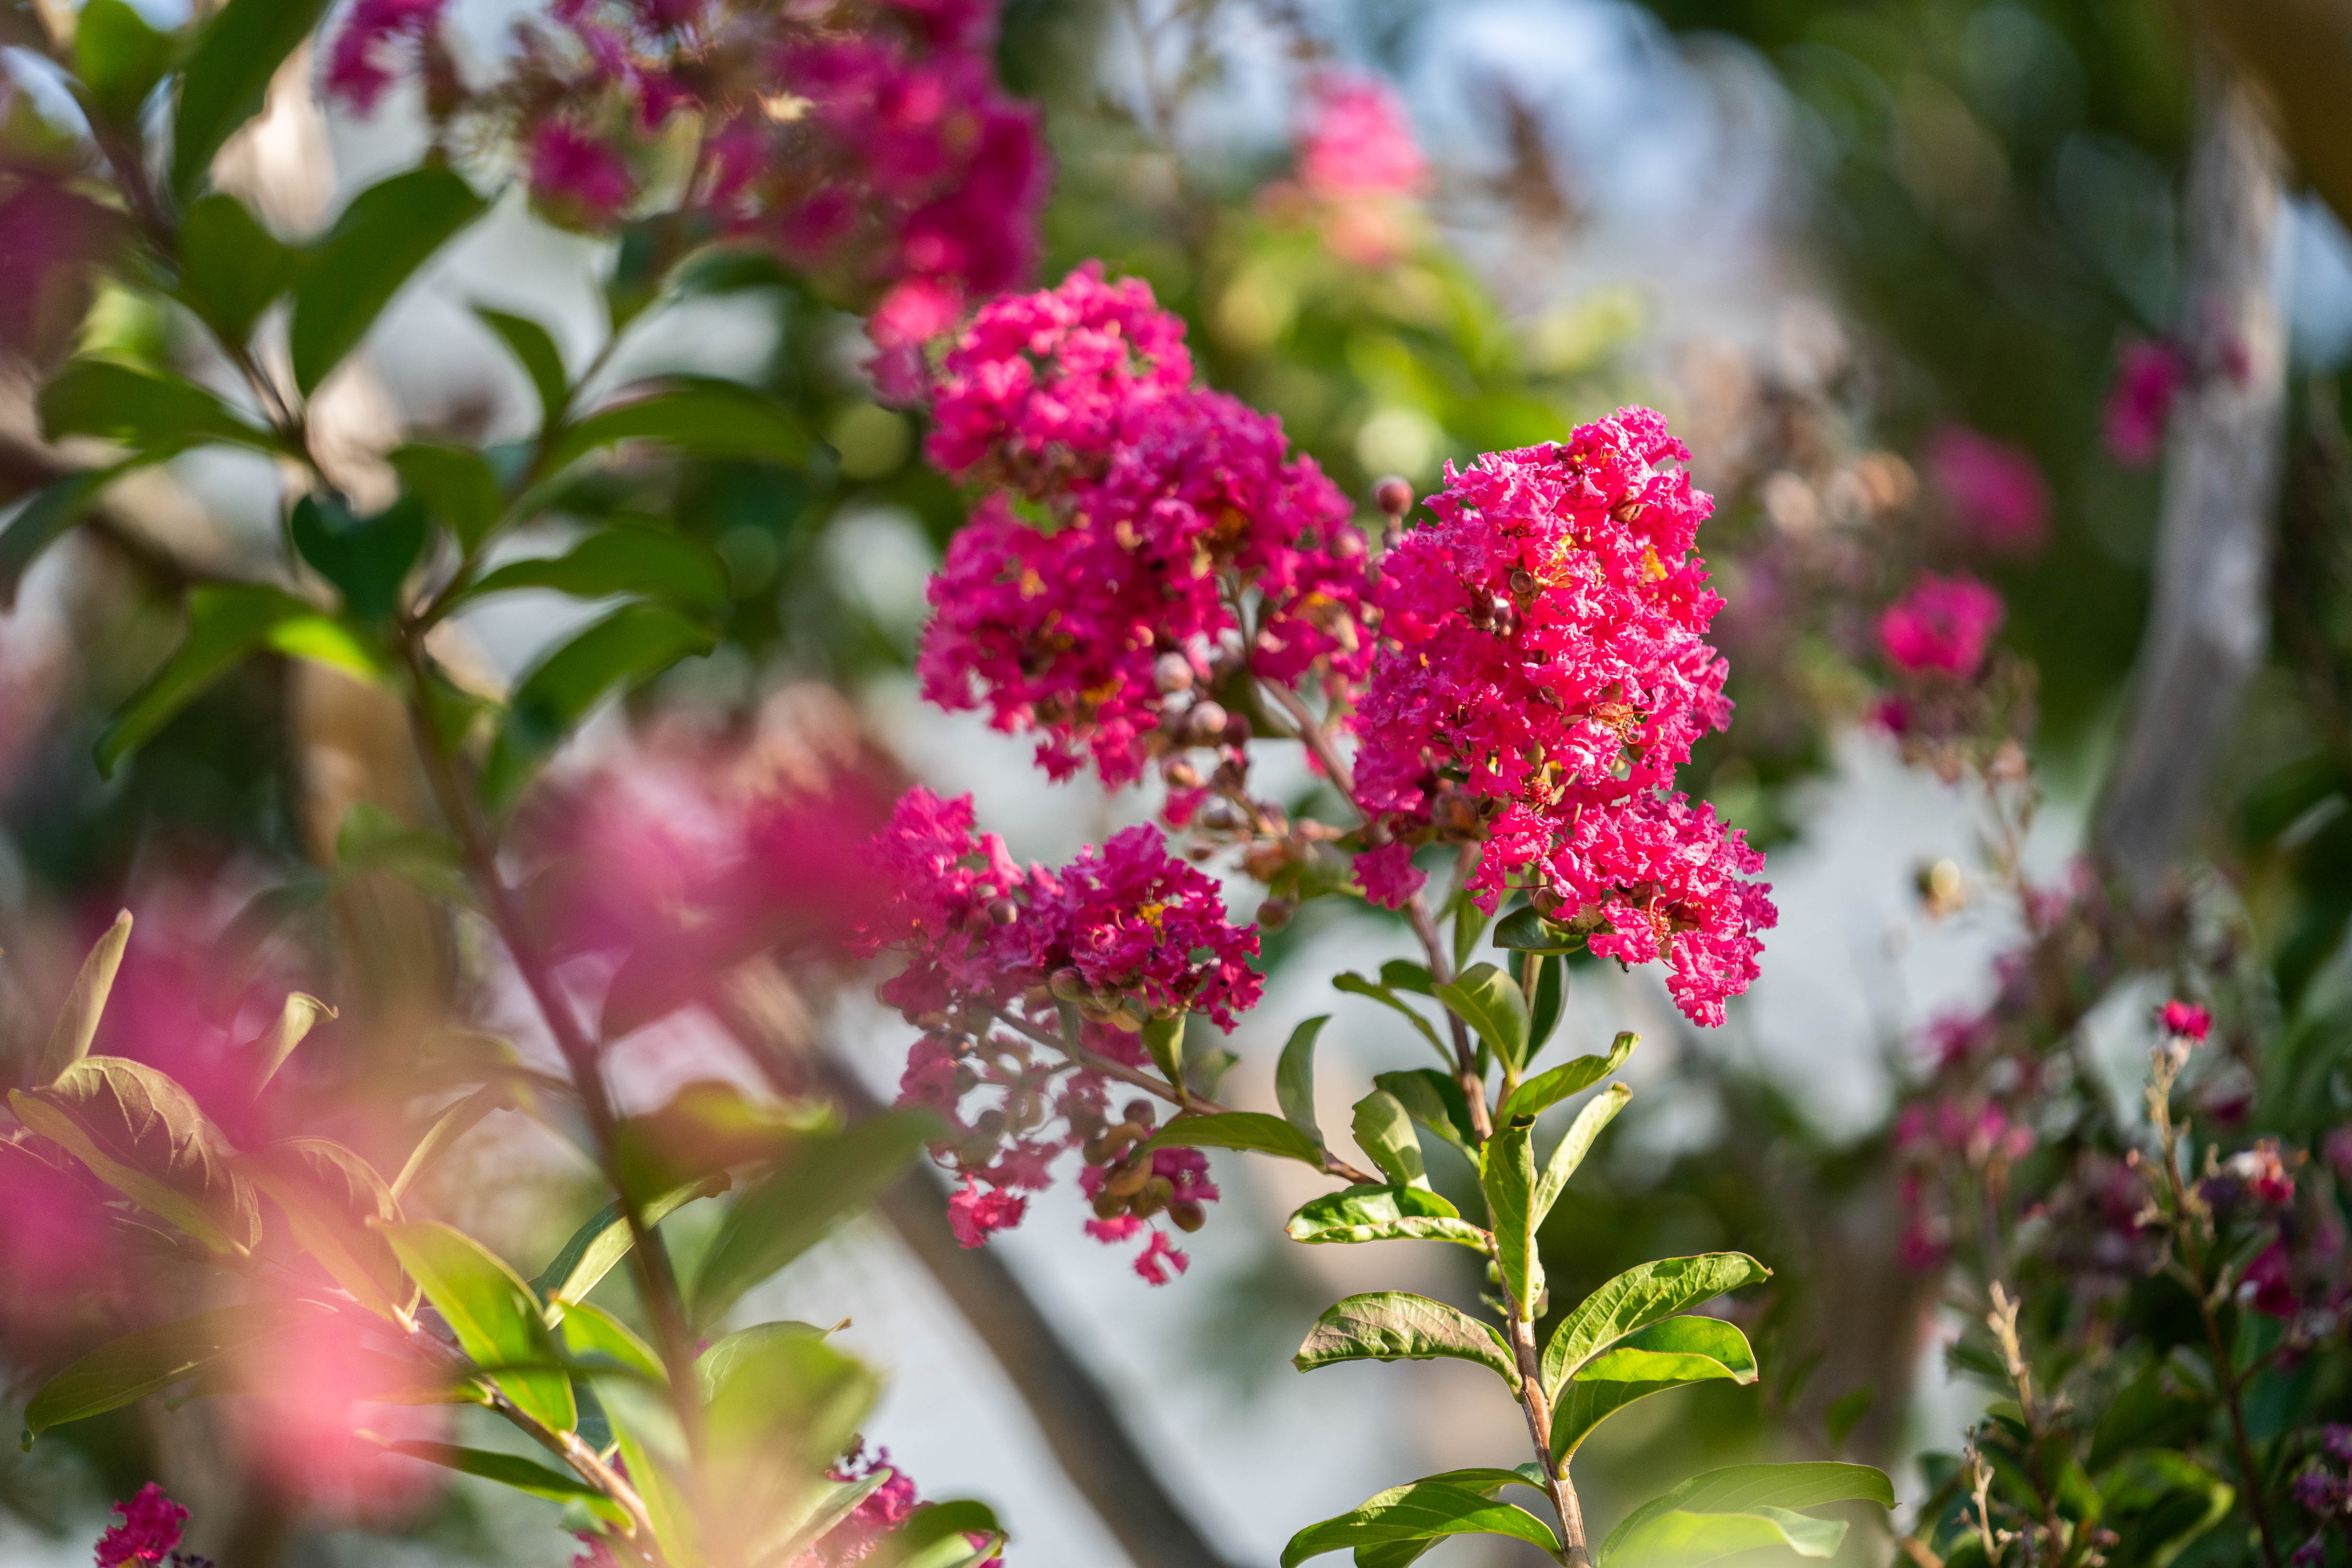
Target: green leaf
x: 137, y: 1364
x: 77, y: 1021
x: 1680, y: 1539
x: 1356, y: 985
x: 366, y: 558
x: 1434, y: 1100
x: 227, y: 78
x: 633, y: 644
x: 156, y: 413
x: 1548, y: 1089
x: 1385, y: 1132
x: 1636, y: 1298
x: 494, y: 1315
x: 659, y: 565
x: 231, y: 268
x: 1293, y: 1079
x: 1422, y: 1512
x: 534, y: 349
x: 643, y: 1422
x: 933, y: 1526
x: 1507, y: 1172
x: 1404, y: 975
x: 333, y: 1200
x: 1665, y: 1356
x: 1395, y: 1325
x: 119, y: 58
x: 227, y: 623
x: 779, y: 1410
x: 1570, y: 1152
x: 1764, y: 1492
x: 1383, y: 1213
x: 389, y: 230
x: 142, y: 1134
x: 605, y: 1239
x: 1842, y: 1416
x: 456, y: 484
x: 700, y: 418
x: 296, y: 1018
x: 512, y: 1470
x: 1251, y: 1130
x: 373, y: 839
x: 1489, y: 1000
x: 1164, y: 1039
x: 818, y: 1182
x: 1524, y: 930
x: 1546, y: 998
x: 43, y: 520
x: 452, y: 1124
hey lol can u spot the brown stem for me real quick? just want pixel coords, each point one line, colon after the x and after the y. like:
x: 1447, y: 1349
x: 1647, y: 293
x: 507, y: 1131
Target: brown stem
x: 656, y: 1278
x: 1574, y: 1552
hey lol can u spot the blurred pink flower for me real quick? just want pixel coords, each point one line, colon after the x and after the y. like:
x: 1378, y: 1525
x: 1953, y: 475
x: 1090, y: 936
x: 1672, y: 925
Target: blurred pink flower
x: 578, y: 177
x: 150, y: 1530
x: 2186, y: 1020
x: 357, y: 71
x: 1995, y: 490
x: 1358, y: 141
x: 1942, y: 627
x: 2148, y: 376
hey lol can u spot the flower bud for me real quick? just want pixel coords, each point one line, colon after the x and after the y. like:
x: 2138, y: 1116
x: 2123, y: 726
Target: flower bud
x: 1179, y: 774
x: 1189, y: 1216
x: 1274, y: 913
x: 1523, y: 581
x: 1109, y: 1205
x: 1151, y: 1197
x: 1172, y: 672
x: 989, y: 1124
x: 1221, y: 816
x: 1067, y: 984
x: 1140, y: 1114
x: 1125, y: 1180
x: 1393, y: 495
x: 1003, y: 911
x: 1237, y: 730
x: 966, y: 1081
x: 1504, y: 614
x: 1206, y: 724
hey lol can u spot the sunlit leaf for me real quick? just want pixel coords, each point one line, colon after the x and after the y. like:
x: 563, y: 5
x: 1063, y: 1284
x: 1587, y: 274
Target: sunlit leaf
x: 1293, y: 1078
x: 387, y: 231
x: 605, y: 1239
x: 296, y: 1018
x: 1669, y: 1355
x: 1383, y: 1213
x: 1636, y: 1298
x: 512, y: 1470
x: 1748, y: 1504
x: 1384, y: 1133
x: 494, y: 1315
x: 143, y: 1135
x: 1356, y: 985
x: 76, y: 1020
x: 1489, y: 1000
x: 1570, y: 1152
x: 1249, y: 1130
x: 1507, y: 1172
x: 1396, y: 1325
x: 1548, y: 1089
x: 332, y: 1200
x: 1422, y: 1512
x: 1436, y: 1102
x: 643, y: 560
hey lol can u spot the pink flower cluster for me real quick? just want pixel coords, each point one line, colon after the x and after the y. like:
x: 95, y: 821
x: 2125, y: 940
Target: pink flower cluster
x: 2189, y: 1020
x: 1995, y: 490
x: 1944, y: 626
x: 868, y: 143
x: 993, y: 952
x: 1173, y: 508
x: 883, y: 1510
x: 149, y: 1531
x: 2148, y: 376
x: 1358, y: 141
x: 1548, y: 673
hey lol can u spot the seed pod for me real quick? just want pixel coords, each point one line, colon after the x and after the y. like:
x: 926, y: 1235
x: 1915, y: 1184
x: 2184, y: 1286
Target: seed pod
x: 1172, y: 672
x: 966, y: 1081
x: 989, y: 1124
x: 1221, y: 816
x: 1140, y: 1114
x: 1003, y: 911
x: 1393, y: 495
x: 1152, y: 1197
x: 1207, y: 723
x: 1095, y: 1151
x: 1274, y: 913
x: 1188, y: 1215
x: 1179, y: 774
x: 1067, y: 984
x: 1127, y: 1180
x: 1108, y: 1205
x: 1504, y: 614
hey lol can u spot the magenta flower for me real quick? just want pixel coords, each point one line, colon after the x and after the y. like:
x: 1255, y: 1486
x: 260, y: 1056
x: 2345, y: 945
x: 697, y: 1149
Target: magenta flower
x: 1942, y: 627
x: 1358, y: 141
x: 578, y: 177
x: 1548, y: 673
x: 1995, y: 490
x: 150, y: 1530
x: 2189, y: 1020
x: 357, y: 69
x: 2148, y: 376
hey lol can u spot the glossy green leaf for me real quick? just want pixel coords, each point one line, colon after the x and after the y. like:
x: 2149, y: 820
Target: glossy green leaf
x: 137, y: 1364
x: 633, y: 644
x: 456, y: 484
x: 644, y: 1424
x: 1249, y: 1130
x: 1422, y: 1511
x: 366, y: 558
x: 646, y: 561
x: 119, y: 57
x: 605, y: 1239
x: 534, y: 349
x: 1293, y: 1078
x: 227, y: 78
x: 817, y: 1184
x: 698, y: 417
x: 1548, y: 1089
x: 76, y: 1020
x: 1636, y: 1298
x: 143, y: 1135
x: 152, y: 413
x: 334, y: 1202
x: 1404, y: 975
x: 1764, y: 1492
x: 1669, y: 1354
x: 1680, y: 1539
x: 1164, y: 1039
x: 1489, y: 1000
x: 1396, y: 1325
x: 1384, y: 1133
x: 296, y: 1018
x: 1383, y: 1213
x: 1506, y: 1173
x: 1435, y: 1101
x: 43, y: 520
x: 1546, y: 998
x: 1356, y: 985
x: 387, y: 231
x: 1570, y: 1152
x: 1486, y: 1482
x: 226, y: 624
x: 512, y: 1470
x: 231, y: 268
x: 494, y: 1315
x: 1524, y: 930
x: 914, y: 1543
x: 1469, y: 924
